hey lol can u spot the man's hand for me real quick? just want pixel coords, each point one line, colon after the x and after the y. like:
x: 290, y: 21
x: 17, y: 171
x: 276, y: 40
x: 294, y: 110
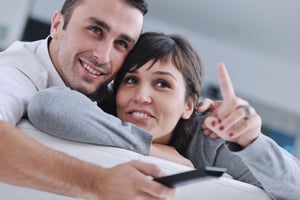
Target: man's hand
x: 130, y: 181
x: 39, y: 167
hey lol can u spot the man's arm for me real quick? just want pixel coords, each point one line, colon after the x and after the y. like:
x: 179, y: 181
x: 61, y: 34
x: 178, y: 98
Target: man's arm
x: 27, y: 163
x: 16, y: 89
x: 24, y: 162
x: 68, y: 114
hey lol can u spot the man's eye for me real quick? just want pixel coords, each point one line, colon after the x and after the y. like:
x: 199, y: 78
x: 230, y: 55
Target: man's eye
x: 95, y: 30
x: 122, y: 44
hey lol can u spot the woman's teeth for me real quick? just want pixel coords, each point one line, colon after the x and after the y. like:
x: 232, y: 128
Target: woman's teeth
x: 139, y: 114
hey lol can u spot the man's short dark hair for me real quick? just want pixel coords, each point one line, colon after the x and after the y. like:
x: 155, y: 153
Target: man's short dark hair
x: 139, y: 4
x: 69, y: 6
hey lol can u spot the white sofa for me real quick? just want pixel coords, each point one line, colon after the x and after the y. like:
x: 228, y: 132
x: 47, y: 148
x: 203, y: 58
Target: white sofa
x: 212, y: 189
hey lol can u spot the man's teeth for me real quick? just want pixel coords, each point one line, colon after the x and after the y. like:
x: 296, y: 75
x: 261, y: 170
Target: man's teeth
x: 139, y: 114
x: 91, y: 70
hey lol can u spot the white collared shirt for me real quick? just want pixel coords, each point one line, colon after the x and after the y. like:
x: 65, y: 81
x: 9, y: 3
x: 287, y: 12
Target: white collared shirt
x: 25, y: 68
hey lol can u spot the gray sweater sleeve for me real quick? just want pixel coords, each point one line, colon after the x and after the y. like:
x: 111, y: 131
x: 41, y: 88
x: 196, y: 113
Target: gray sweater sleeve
x: 68, y: 114
x: 277, y: 170
x: 263, y: 163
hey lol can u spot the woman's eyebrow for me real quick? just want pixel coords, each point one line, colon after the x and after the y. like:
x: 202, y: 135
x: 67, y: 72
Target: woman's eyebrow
x: 132, y: 72
x: 165, y: 74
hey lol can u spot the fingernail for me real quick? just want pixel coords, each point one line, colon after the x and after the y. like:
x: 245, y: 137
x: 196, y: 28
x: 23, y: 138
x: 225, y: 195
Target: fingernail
x: 221, y: 128
x: 213, y: 123
x: 220, y: 121
x: 231, y: 134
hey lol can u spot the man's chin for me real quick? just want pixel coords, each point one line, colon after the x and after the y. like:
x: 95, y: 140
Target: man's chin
x: 86, y: 90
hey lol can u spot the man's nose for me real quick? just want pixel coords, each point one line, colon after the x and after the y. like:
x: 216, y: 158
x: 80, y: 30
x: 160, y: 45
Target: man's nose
x: 103, y: 52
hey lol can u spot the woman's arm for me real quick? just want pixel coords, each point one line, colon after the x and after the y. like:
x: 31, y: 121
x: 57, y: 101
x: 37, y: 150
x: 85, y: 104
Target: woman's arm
x: 68, y: 114
x: 276, y: 169
x: 247, y: 149
x: 263, y: 164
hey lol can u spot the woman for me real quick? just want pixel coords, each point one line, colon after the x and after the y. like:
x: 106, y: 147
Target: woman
x: 157, y: 90
x: 172, y: 72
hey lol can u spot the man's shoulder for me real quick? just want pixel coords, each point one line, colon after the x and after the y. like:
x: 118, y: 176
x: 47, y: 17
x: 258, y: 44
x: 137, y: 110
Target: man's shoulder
x: 18, y: 50
x: 24, y: 56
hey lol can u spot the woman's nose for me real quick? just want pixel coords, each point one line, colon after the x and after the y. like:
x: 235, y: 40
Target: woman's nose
x: 143, y: 95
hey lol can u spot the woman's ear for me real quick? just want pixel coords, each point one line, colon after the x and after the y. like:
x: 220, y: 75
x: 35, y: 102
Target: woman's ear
x: 189, y: 109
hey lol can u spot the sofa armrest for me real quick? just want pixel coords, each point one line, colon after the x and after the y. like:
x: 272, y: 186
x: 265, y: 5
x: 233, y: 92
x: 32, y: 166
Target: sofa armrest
x: 219, y: 188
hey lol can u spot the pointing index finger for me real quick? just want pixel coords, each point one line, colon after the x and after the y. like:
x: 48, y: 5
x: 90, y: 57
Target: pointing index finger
x: 226, y: 87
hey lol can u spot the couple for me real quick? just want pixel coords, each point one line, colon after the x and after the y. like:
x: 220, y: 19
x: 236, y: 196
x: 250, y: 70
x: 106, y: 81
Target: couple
x: 157, y: 89
x: 107, y: 31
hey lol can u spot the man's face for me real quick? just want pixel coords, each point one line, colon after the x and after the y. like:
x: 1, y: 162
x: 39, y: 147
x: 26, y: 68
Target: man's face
x: 91, y: 49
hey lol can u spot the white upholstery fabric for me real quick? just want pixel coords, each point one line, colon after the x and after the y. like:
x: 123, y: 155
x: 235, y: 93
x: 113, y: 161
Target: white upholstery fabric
x: 213, y: 189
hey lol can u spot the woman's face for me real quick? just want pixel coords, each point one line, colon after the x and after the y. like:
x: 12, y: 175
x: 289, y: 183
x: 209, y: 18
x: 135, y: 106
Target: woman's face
x: 153, y: 98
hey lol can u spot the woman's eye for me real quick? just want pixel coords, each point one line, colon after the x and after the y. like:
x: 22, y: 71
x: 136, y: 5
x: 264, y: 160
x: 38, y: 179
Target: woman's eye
x: 162, y: 84
x: 130, y: 80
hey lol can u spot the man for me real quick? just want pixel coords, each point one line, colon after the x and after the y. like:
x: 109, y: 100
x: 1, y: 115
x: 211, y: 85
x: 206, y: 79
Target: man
x: 88, y: 43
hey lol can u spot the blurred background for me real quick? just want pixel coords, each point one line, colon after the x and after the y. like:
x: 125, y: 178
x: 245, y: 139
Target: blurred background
x: 259, y: 41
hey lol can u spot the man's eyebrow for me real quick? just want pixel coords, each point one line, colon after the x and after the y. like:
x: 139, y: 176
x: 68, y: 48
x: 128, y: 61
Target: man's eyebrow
x: 128, y: 39
x: 100, y: 23
x: 105, y: 26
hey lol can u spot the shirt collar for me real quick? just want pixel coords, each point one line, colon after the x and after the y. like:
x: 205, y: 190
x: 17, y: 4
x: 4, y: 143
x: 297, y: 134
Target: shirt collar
x: 43, y: 54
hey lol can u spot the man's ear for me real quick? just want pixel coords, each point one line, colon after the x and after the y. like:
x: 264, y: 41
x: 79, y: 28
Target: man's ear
x: 188, y: 110
x: 57, y: 23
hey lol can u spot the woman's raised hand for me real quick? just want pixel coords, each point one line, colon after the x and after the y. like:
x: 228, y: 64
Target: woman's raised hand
x: 232, y: 119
